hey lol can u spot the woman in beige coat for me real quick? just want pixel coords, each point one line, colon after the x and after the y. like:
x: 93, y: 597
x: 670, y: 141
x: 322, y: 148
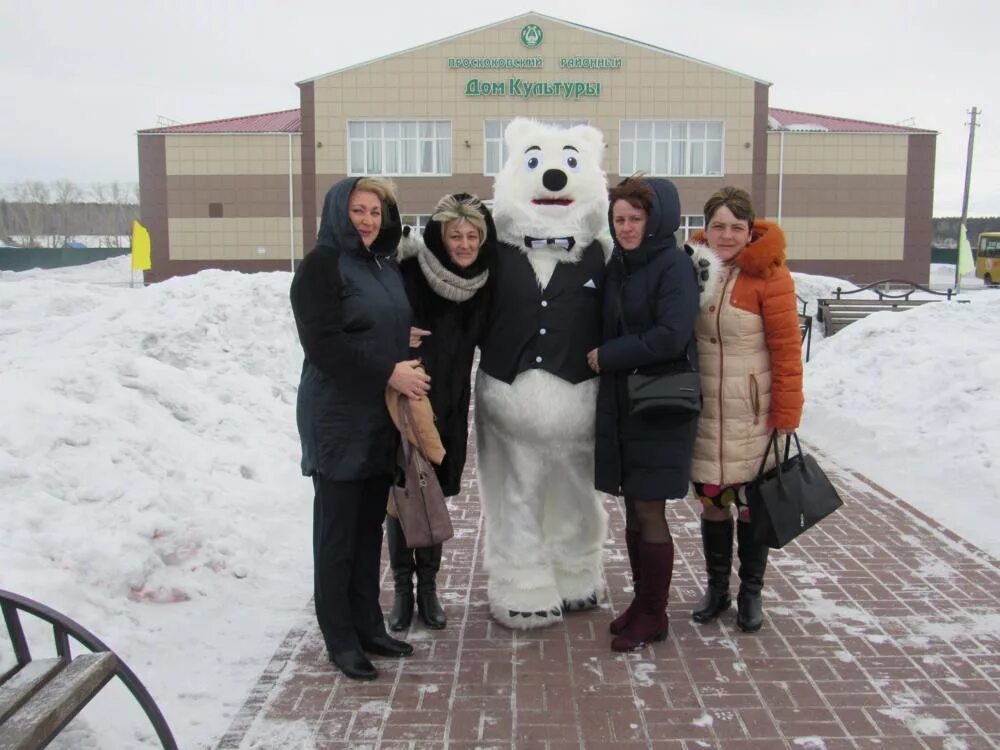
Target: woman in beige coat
x: 750, y: 358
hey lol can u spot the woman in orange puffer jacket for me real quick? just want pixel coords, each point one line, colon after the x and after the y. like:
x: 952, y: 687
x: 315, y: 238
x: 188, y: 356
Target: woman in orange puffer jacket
x: 750, y: 357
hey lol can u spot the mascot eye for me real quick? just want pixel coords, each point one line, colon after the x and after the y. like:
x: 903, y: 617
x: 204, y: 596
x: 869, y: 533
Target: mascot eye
x: 572, y: 162
x: 533, y: 162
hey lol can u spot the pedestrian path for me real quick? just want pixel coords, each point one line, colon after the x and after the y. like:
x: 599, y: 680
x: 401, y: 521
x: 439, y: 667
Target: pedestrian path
x: 881, y: 630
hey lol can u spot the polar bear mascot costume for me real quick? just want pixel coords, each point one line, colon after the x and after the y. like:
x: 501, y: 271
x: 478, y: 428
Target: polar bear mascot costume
x: 535, y: 395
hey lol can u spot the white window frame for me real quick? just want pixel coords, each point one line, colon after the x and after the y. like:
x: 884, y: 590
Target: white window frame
x: 498, y: 140
x: 690, y: 223
x: 382, y: 146
x: 418, y: 221
x: 663, y: 139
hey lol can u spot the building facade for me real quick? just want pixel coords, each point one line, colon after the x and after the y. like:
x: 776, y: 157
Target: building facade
x: 854, y: 197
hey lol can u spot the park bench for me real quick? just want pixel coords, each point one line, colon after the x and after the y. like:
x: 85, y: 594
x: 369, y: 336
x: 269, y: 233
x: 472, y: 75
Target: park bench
x: 805, y: 326
x: 39, y: 697
x: 892, y: 294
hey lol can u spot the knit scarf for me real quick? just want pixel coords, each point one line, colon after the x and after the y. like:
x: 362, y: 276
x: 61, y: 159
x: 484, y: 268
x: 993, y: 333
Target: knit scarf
x: 445, y: 283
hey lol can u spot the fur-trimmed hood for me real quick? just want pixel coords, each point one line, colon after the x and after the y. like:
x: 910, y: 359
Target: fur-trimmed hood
x: 764, y: 254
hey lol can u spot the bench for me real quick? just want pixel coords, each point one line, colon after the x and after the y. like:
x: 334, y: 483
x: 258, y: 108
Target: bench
x: 892, y: 294
x: 805, y: 326
x: 39, y: 697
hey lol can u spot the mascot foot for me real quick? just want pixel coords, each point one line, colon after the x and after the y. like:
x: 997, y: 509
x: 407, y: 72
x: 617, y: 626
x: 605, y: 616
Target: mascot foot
x: 580, y: 605
x: 524, y: 607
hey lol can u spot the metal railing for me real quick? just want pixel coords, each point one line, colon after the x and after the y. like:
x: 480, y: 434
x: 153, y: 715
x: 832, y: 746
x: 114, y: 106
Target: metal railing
x: 62, y: 629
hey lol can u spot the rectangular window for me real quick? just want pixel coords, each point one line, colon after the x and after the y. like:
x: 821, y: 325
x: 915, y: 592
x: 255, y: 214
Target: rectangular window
x: 671, y: 148
x: 215, y: 210
x: 418, y: 221
x: 690, y: 223
x: 399, y: 147
x: 495, y: 150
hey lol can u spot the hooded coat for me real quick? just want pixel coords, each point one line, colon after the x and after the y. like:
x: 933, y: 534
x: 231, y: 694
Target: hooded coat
x: 650, y: 307
x: 751, y: 360
x: 451, y: 303
x: 353, y: 320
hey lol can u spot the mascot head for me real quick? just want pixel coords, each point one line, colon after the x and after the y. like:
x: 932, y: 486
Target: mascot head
x: 552, y: 185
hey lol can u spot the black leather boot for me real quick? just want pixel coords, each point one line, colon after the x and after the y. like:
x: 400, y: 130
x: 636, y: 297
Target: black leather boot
x: 401, y: 561
x: 428, y: 565
x: 717, y: 541
x: 753, y: 561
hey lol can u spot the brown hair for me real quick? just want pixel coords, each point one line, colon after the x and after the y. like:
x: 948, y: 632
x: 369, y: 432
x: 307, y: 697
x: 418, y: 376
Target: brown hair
x: 735, y: 199
x: 634, y: 191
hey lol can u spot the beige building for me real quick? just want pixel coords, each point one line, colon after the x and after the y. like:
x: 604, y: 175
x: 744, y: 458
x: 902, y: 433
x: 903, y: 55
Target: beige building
x: 854, y: 197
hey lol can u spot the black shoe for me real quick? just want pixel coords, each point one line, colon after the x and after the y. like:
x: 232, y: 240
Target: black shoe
x: 402, y: 611
x: 749, y: 612
x: 428, y: 563
x: 711, y: 605
x: 386, y: 645
x: 401, y: 560
x: 430, y: 610
x: 717, y: 542
x: 753, y: 561
x: 354, y: 664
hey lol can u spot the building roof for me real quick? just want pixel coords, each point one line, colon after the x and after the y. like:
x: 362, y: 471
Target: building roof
x: 533, y: 14
x: 808, y: 122
x: 286, y: 121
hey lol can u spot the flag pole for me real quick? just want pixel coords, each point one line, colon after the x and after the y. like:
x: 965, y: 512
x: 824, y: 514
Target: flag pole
x: 965, y: 198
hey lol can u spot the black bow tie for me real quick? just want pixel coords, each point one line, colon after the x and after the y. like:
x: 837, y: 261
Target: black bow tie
x: 566, y: 243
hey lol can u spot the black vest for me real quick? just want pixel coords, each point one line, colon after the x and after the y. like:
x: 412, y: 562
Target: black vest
x: 551, y: 329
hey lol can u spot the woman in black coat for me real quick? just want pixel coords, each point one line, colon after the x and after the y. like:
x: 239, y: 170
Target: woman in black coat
x: 353, y: 321
x: 650, y: 305
x: 446, y: 285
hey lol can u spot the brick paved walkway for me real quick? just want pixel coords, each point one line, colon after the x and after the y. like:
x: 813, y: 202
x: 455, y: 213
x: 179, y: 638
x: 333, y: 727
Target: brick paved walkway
x: 881, y: 631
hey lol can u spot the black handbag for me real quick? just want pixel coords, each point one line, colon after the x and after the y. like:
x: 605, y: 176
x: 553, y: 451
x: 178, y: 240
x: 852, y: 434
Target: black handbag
x: 793, y: 496
x: 669, y: 392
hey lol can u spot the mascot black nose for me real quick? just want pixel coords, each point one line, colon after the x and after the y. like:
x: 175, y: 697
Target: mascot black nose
x: 554, y: 180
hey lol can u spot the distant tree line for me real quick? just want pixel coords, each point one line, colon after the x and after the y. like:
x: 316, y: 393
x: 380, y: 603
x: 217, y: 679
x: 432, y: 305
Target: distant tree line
x: 946, y: 230
x: 54, y: 214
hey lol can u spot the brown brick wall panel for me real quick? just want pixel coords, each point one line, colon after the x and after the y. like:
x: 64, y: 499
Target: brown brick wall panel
x: 917, y: 237
x: 154, y: 202
x: 758, y: 189
x: 240, y: 195
x: 835, y: 195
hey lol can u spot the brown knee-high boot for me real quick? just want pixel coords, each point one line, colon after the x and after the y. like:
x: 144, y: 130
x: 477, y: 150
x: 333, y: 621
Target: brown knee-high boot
x: 650, y: 623
x: 632, y: 547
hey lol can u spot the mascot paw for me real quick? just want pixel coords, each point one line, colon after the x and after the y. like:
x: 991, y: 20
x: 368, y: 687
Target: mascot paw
x: 580, y: 605
x: 527, y: 620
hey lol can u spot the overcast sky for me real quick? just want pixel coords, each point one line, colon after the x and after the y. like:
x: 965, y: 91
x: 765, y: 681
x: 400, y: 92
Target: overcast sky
x: 79, y: 78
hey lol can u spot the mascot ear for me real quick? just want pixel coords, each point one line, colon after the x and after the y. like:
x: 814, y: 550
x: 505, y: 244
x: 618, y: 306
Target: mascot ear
x: 519, y: 130
x: 589, y: 137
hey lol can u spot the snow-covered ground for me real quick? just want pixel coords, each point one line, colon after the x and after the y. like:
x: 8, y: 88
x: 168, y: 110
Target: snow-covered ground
x: 149, y: 463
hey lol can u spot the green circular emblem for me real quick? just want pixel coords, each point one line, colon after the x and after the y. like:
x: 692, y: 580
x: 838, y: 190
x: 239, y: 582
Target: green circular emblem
x: 531, y: 35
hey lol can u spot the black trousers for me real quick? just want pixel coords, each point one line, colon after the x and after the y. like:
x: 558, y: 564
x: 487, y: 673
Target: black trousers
x: 347, y: 551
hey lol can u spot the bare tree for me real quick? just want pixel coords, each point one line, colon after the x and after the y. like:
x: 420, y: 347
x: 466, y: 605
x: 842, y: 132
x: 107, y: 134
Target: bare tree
x: 64, y: 194
x: 31, y: 197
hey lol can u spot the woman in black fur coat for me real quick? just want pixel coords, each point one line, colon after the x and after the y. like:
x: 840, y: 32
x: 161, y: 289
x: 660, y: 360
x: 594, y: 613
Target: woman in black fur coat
x: 446, y: 282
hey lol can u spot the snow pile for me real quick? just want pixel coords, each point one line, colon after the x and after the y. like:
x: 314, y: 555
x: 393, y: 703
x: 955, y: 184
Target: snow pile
x: 149, y: 478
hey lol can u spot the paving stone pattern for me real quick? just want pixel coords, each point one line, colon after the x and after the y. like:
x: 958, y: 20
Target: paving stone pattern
x: 881, y: 630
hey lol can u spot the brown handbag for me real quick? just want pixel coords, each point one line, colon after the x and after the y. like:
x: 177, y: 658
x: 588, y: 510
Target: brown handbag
x: 420, y: 503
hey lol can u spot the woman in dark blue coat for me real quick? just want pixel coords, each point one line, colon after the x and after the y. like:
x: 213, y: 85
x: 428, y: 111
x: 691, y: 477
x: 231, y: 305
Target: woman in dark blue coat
x: 650, y: 305
x: 353, y: 321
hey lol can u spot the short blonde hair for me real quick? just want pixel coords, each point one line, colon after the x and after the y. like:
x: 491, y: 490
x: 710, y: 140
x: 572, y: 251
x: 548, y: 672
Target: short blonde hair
x: 468, y: 209
x: 384, y: 189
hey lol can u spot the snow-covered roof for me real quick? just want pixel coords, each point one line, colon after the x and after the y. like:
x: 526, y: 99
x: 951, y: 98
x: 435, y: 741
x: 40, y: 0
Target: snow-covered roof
x: 285, y: 121
x: 809, y: 122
